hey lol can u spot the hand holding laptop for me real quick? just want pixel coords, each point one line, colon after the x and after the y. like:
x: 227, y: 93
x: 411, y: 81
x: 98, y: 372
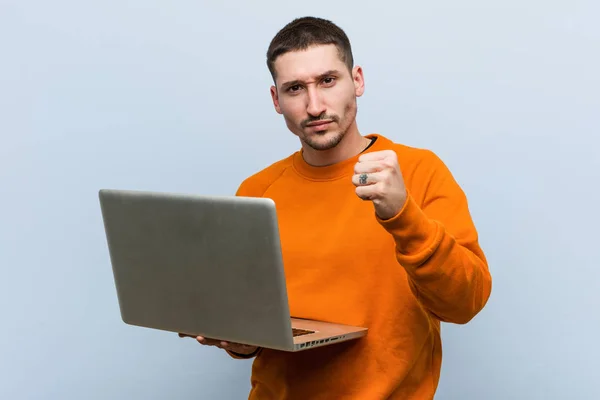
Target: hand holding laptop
x: 182, y: 262
x: 238, y: 348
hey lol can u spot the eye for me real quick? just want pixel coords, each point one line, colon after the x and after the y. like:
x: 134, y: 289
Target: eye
x: 328, y: 80
x: 293, y: 88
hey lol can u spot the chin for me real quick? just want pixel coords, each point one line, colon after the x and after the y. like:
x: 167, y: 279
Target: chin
x: 323, y: 141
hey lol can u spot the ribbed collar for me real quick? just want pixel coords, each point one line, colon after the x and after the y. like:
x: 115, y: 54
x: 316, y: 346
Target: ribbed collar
x: 341, y: 169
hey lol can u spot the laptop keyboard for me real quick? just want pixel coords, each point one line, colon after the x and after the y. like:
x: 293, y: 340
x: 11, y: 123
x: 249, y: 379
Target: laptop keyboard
x: 300, y: 332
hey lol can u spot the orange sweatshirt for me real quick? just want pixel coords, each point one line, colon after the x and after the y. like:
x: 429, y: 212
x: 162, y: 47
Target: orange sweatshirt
x: 398, y: 277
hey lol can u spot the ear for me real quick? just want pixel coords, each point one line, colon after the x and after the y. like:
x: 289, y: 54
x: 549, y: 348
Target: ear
x: 359, y: 81
x: 275, y: 98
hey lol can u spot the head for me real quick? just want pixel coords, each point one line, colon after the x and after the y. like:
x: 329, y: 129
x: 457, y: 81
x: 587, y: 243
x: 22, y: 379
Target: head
x: 315, y: 82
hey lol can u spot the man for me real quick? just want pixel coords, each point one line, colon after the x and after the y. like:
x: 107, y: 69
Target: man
x: 373, y: 234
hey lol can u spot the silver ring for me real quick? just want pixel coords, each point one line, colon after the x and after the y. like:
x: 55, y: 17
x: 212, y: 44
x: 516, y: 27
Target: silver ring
x: 362, y: 179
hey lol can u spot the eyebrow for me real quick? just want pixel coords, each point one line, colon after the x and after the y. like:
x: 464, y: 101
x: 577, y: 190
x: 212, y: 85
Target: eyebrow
x: 288, y: 84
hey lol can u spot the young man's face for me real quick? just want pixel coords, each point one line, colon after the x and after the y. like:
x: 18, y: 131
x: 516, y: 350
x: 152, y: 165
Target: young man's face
x: 316, y: 94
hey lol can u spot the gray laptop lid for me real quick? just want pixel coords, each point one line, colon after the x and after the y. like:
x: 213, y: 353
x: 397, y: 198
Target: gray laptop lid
x: 200, y: 265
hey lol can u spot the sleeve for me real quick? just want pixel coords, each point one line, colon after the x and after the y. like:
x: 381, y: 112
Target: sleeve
x: 247, y: 189
x: 437, y: 245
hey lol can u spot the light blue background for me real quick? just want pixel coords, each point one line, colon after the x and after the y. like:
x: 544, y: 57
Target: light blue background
x: 172, y: 96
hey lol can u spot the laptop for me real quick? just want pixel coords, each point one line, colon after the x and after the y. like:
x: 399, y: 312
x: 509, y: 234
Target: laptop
x: 206, y: 266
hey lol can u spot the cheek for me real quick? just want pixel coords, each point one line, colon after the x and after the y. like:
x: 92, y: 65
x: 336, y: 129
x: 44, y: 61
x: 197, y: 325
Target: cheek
x: 293, y: 110
x: 344, y: 105
x: 342, y: 98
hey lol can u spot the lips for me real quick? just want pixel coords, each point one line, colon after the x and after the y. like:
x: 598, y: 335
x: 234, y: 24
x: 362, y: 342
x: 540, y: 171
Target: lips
x: 318, y: 124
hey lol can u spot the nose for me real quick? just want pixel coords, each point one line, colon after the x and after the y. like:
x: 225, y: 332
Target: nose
x: 315, y: 106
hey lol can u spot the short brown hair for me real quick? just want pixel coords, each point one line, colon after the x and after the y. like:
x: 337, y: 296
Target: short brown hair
x: 305, y: 32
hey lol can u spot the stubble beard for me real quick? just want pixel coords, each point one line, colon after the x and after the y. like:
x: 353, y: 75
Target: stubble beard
x: 334, y: 137
x: 316, y: 144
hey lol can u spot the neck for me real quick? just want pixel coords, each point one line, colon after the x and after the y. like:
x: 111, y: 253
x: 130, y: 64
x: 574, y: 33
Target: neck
x: 352, y: 144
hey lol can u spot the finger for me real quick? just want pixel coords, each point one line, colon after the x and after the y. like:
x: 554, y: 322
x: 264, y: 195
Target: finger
x: 366, y: 179
x: 207, y: 342
x: 369, y: 192
x: 376, y: 155
x: 240, y: 348
x: 185, y: 335
x: 235, y: 347
x: 368, y: 166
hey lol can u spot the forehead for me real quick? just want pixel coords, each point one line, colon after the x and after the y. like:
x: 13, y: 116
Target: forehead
x: 308, y: 64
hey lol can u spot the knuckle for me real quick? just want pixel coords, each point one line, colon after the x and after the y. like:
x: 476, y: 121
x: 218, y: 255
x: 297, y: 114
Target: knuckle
x: 387, y: 163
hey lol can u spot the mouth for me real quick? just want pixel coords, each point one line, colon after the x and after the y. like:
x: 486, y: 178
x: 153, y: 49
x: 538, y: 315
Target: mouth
x: 319, y: 124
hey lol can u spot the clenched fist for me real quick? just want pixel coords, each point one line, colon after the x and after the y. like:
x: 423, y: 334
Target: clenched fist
x: 377, y: 178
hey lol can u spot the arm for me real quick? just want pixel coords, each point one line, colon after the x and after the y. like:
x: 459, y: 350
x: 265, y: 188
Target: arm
x: 437, y: 245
